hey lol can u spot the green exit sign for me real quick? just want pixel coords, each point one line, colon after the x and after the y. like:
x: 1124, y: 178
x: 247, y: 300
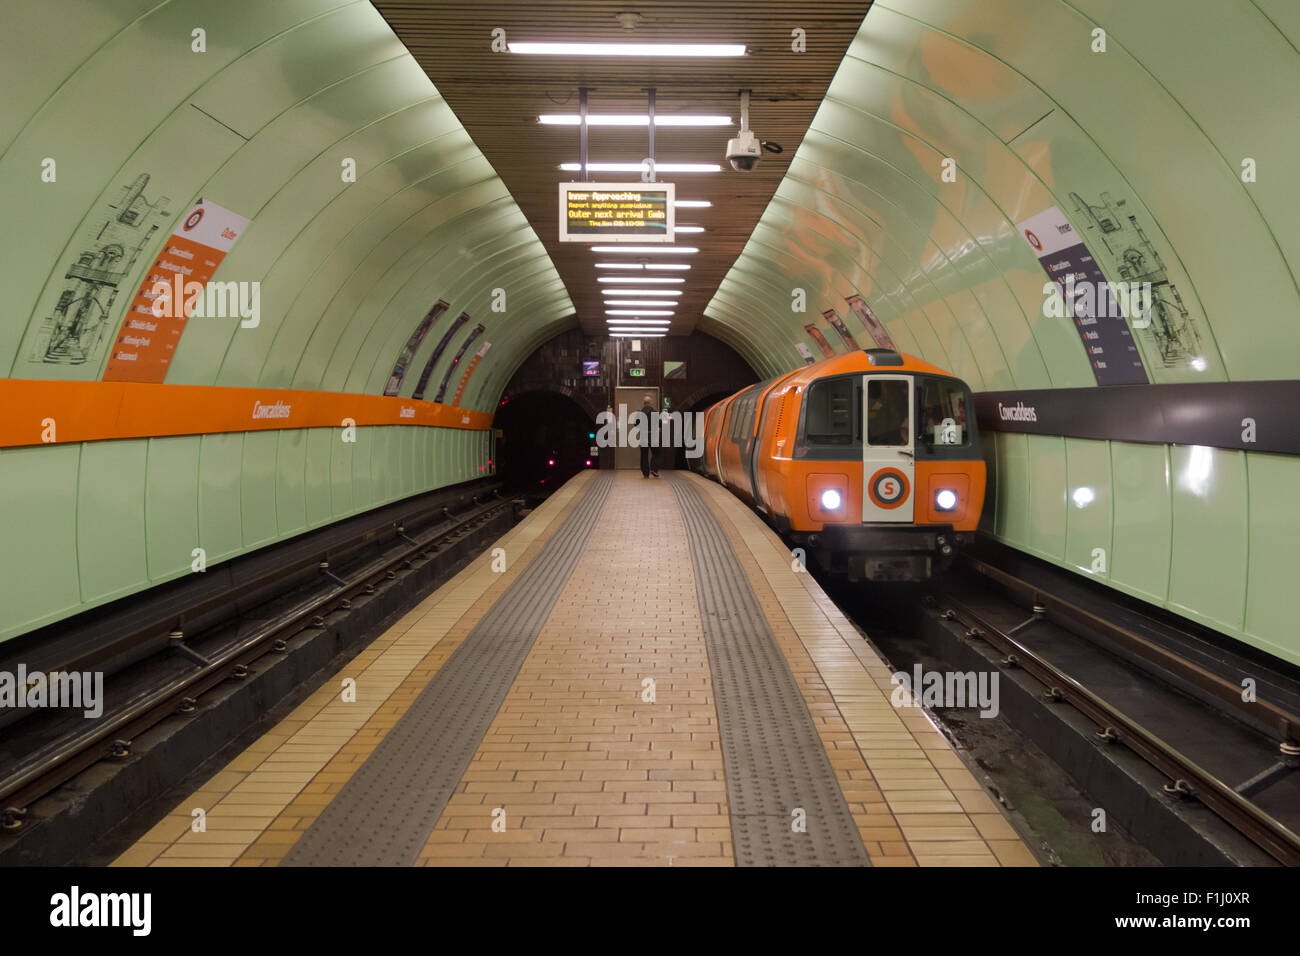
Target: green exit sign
x: 636, y: 372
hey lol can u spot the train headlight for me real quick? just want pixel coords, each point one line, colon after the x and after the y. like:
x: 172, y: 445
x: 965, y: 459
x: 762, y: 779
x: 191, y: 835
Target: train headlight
x: 945, y: 499
x: 830, y: 499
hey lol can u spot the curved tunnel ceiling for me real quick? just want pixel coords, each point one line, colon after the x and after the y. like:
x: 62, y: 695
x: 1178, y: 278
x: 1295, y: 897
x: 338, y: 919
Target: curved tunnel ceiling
x: 1144, y: 147
x: 1153, y: 129
x: 261, y: 123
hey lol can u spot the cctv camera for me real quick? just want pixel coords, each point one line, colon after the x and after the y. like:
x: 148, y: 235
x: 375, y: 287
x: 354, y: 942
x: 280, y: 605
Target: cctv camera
x: 743, y: 151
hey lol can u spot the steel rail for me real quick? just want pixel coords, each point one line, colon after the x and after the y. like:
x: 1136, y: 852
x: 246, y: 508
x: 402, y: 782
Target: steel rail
x: 68, y: 756
x: 1285, y: 724
x: 1188, y: 780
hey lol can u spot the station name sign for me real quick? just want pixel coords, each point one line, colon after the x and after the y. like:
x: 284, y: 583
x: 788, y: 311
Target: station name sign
x: 616, y: 212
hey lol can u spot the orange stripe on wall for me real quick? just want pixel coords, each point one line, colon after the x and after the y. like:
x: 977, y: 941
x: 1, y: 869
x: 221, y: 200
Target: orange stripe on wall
x: 98, y: 411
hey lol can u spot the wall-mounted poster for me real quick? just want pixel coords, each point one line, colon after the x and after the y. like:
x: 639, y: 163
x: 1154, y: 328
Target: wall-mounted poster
x: 675, y: 370
x: 76, y: 313
x: 590, y: 369
x: 460, y: 389
x: 875, y: 328
x: 820, y: 339
x: 805, y: 353
x: 423, y: 383
x: 412, y: 346
x: 175, y: 288
x: 833, y: 317
x: 442, y: 389
x: 1089, y: 300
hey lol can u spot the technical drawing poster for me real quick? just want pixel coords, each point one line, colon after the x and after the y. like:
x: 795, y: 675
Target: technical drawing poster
x: 151, y: 330
x: 1109, y: 344
x: 73, y: 325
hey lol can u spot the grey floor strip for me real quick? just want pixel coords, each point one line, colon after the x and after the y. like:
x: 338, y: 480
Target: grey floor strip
x: 775, y: 762
x: 384, y: 814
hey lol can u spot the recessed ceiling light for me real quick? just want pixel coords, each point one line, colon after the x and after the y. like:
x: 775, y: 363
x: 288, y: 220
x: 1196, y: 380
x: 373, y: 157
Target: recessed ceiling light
x: 636, y: 335
x: 642, y: 291
x: 628, y: 49
x: 637, y: 312
x: 638, y: 322
x: 637, y: 167
x: 667, y: 265
x: 649, y: 303
x: 633, y: 119
x: 646, y: 250
x: 692, y: 203
x: 648, y: 279
x: 619, y: 265
x: 688, y: 228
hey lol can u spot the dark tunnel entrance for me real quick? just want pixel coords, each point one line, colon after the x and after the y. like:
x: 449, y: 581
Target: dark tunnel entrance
x: 543, y: 440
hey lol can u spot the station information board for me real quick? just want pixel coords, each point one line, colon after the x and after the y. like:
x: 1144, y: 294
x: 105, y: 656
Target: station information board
x: 616, y: 212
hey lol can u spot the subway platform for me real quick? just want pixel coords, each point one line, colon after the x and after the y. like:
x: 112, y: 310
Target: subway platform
x: 633, y: 675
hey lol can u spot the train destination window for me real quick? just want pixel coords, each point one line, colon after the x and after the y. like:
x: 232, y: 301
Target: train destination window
x: 888, y: 417
x: 942, y: 412
x: 829, y: 418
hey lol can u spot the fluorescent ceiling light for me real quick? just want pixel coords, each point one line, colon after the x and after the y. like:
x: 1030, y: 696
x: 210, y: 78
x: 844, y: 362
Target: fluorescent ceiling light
x: 633, y: 119
x: 637, y: 321
x: 667, y: 265
x: 637, y: 312
x: 636, y: 335
x: 628, y: 49
x: 655, y: 279
x: 688, y: 228
x: 643, y: 292
x: 650, y: 303
x: 619, y: 265
x: 692, y: 203
x: 637, y: 167
x: 646, y: 250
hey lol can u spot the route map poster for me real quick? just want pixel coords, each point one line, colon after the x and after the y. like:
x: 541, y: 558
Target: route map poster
x: 1111, y: 349
x: 143, y: 348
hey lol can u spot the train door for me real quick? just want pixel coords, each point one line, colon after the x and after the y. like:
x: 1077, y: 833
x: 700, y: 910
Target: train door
x: 888, y: 465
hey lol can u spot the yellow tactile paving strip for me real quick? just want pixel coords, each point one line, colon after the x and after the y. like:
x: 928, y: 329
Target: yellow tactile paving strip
x: 585, y: 769
x: 258, y: 805
x: 913, y: 798
x: 578, y: 767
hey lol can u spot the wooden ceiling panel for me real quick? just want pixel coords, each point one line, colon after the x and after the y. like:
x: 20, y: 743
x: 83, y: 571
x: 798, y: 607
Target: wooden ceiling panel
x: 498, y: 97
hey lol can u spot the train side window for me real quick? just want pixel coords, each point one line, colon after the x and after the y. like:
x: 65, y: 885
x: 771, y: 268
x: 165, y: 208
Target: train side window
x: 941, y: 418
x: 888, y: 417
x: 829, y: 418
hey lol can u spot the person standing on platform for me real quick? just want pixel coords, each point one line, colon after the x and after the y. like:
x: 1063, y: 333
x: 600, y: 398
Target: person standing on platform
x: 649, y: 454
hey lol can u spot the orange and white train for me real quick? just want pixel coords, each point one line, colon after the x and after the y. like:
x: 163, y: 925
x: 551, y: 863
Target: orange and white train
x: 868, y: 461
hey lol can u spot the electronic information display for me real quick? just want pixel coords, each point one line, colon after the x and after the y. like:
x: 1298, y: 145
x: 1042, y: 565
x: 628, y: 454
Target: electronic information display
x: 616, y: 212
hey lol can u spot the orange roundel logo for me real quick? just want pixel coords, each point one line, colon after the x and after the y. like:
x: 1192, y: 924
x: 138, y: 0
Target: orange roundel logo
x: 888, y: 488
x: 193, y: 219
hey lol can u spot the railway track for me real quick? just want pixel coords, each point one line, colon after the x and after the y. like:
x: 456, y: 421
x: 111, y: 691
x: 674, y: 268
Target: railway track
x: 192, y: 663
x: 1205, y: 777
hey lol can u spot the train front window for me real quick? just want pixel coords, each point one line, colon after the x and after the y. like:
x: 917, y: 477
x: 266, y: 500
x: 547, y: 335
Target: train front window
x: 888, y: 417
x: 941, y: 403
x: 829, y: 416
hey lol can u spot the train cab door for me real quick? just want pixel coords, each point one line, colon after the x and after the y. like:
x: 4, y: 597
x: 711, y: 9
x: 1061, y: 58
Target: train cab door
x: 888, y: 449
